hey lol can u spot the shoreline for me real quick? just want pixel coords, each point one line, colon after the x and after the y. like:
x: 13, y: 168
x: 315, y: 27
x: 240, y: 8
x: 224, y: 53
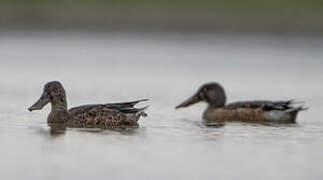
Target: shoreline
x: 159, y: 21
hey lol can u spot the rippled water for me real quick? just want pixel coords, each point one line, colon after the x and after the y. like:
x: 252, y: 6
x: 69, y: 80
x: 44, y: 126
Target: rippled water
x: 167, y: 68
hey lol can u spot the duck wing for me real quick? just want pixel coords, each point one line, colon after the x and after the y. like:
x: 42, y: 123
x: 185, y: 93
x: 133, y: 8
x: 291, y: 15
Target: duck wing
x: 105, y: 115
x: 130, y: 104
x: 266, y: 105
x: 95, y: 116
x: 125, y: 107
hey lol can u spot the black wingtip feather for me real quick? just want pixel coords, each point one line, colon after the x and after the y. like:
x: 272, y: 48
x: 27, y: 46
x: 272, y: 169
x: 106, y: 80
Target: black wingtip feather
x: 127, y: 104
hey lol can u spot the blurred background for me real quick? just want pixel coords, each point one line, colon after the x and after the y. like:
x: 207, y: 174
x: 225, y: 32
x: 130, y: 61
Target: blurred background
x: 273, y: 16
x: 120, y: 50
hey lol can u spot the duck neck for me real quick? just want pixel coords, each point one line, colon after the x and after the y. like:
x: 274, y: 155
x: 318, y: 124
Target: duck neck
x: 209, y: 112
x: 58, y: 102
x: 59, y: 113
x: 59, y: 107
x: 211, y: 108
x: 216, y: 104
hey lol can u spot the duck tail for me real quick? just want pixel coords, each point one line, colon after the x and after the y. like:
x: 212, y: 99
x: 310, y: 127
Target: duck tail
x: 141, y: 111
x: 293, y: 102
x: 291, y: 106
x: 294, y: 112
x: 296, y: 109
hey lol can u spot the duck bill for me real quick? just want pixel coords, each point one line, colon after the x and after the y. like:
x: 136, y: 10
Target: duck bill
x: 194, y: 99
x: 43, y: 101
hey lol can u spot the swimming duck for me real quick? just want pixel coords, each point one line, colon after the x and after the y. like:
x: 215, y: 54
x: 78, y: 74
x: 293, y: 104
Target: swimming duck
x: 247, y: 111
x: 102, y: 116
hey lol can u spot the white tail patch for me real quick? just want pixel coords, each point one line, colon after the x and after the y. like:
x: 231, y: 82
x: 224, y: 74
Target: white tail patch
x: 278, y: 116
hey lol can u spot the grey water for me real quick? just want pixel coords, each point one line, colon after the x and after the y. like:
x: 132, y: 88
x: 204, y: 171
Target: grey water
x: 167, y: 68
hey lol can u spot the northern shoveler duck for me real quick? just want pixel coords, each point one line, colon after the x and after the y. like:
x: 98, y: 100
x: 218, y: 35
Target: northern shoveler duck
x: 102, y: 116
x: 246, y: 111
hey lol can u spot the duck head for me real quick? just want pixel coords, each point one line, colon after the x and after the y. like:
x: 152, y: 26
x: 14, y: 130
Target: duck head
x: 53, y: 93
x: 211, y: 93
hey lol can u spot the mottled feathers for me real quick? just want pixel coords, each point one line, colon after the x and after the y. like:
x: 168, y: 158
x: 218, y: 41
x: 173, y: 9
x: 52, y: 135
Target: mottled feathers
x: 106, y: 115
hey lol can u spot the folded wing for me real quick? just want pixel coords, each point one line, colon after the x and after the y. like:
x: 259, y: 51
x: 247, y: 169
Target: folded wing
x: 266, y: 105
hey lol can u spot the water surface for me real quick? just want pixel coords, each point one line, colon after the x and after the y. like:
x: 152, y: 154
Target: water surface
x: 167, y: 68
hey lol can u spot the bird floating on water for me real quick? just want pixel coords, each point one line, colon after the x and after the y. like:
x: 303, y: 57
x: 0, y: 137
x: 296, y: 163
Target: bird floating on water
x: 246, y: 111
x: 111, y: 115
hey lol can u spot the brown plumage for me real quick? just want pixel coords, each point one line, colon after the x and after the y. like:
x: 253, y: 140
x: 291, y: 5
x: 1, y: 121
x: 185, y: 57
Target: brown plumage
x: 246, y: 111
x: 102, y: 116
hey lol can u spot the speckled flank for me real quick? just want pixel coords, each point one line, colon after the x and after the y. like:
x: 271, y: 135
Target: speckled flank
x: 88, y: 116
x: 96, y: 117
